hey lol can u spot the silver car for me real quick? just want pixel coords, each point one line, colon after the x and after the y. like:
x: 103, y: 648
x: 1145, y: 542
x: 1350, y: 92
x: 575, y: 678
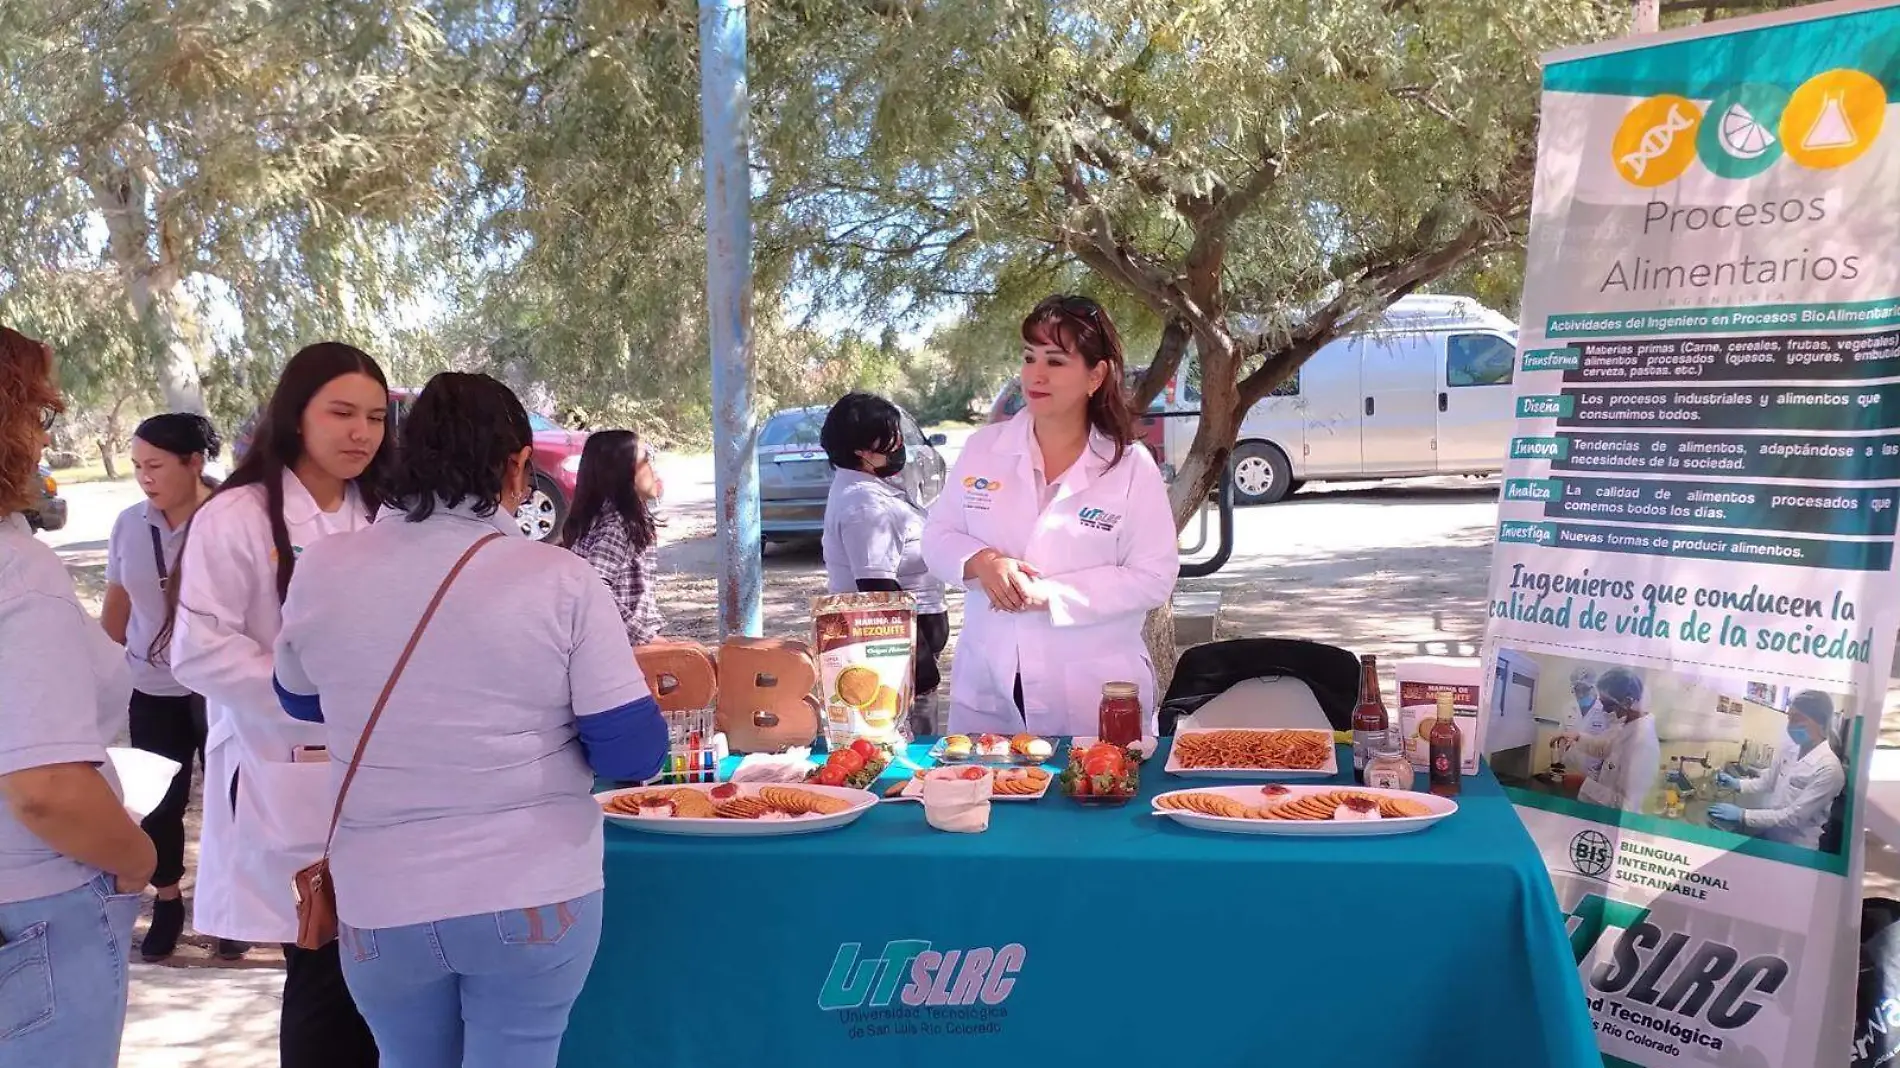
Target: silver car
x: 795, y: 477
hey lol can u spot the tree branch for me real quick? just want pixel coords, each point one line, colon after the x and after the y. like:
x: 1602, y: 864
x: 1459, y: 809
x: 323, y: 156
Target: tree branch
x: 1393, y: 272
x: 1167, y: 359
x: 1124, y: 114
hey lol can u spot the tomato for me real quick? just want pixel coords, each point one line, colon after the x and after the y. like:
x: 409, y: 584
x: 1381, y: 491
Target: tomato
x: 831, y: 775
x: 848, y: 759
x: 1099, y: 763
x: 972, y: 773
x: 725, y: 791
x: 1104, y: 749
x: 864, y: 749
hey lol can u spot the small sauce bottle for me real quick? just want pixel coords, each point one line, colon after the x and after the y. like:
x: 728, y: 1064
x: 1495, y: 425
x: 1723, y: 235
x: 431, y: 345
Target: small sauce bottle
x: 1120, y: 714
x: 1389, y: 769
x: 1370, y: 724
x: 1444, y: 747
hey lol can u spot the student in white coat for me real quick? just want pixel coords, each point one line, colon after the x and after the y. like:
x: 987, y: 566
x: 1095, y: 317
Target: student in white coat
x: 311, y: 473
x: 1792, y: 800
x: 1630, y: 753
x: 1057, y: 523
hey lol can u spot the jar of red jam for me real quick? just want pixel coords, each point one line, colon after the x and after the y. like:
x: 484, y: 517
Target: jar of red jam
x: 1120, y: 714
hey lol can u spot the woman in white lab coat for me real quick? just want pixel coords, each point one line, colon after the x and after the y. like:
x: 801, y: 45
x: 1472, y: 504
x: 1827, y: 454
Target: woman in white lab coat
x: 1057, y: 522
x: 312, y: 471
x: 1792, y: 800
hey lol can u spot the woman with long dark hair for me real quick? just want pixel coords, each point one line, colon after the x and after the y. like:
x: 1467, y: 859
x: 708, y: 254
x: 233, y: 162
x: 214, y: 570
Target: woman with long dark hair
x: 313, y: 470
x: 72, y: 863
x: 467, y: 860
x: 169, y: 453
x: 1057, y: 524
x: 611, y: 526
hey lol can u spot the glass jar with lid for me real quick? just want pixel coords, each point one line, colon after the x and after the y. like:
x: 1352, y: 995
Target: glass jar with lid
x: 1120, y: 714
x: 1389, y: 769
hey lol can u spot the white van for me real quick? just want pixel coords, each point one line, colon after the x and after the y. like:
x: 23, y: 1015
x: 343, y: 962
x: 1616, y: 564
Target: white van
x: 1427, y: 392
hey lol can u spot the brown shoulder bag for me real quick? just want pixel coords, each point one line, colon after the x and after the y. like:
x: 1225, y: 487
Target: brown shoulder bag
x: 316, y: 894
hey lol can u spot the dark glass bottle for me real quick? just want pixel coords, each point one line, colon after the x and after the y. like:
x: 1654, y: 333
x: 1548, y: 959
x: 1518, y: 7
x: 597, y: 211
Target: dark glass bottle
x: 1370, y: 724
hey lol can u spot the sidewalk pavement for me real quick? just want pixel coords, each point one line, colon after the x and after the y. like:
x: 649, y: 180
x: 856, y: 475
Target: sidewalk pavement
x: 202, y: 1017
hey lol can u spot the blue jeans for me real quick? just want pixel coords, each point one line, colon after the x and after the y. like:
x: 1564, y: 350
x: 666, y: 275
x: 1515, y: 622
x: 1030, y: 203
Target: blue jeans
x: 485, y: 991
x: 63, y: 976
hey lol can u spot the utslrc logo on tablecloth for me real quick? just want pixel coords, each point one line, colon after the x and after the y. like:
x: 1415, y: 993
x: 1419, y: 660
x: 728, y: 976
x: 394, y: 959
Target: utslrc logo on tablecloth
x: 936, y: 992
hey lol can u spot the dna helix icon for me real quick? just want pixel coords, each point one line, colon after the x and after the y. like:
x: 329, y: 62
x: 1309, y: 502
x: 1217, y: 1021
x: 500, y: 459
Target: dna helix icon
x: 1656, y: 140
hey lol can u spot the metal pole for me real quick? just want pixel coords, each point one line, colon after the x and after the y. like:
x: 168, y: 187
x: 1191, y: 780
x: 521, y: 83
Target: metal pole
x: 724, y: 114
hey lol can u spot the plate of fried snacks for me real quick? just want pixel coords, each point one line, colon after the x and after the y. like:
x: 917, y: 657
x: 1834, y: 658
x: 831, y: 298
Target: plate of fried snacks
x: 1238, y: 753
x: 1006, y: 784
x: 735, y: 809
x: 1324, y: 810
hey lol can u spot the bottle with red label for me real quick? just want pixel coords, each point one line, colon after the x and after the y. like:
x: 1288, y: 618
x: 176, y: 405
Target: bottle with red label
x: 1370, y: 724
x: 1444, y: 748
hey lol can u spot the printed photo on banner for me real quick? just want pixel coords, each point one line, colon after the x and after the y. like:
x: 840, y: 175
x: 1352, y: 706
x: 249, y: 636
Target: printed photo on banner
x: 1734, y: 757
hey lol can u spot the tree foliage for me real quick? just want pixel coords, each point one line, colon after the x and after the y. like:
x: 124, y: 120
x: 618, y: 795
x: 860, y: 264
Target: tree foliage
x: 272, y: 159
x: 1253, y: 177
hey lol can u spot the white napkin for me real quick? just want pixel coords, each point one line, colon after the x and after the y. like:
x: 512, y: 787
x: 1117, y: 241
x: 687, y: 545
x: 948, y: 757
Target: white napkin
x: 953, y: 803
x: 1280, y: 703
x: 143, y: 778
x: 790, y: 766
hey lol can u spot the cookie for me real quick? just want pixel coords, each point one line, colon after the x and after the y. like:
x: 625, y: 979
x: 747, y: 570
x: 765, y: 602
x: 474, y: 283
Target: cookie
x: 743, y: 808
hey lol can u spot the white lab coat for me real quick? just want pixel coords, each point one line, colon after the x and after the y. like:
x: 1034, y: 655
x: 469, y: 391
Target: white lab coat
x: 1593, y: 724
x: 1106, y: 546
x: 222, y: 645
x: 1790, y: 801
x: 1631, y: 759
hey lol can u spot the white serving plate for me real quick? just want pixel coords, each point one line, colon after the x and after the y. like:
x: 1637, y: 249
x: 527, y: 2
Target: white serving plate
x: 988, y: 760
x: 861, y: 802
x: 1250, y: 795
x: 914, y: 790
x: 1324, y: 771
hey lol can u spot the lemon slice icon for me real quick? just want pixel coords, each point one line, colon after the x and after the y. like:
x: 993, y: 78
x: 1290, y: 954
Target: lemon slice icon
x: 1742, y: 136
x: 1739, y: 139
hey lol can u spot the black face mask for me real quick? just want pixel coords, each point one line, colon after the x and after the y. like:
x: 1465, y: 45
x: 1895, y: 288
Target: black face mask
x: 893, y: 463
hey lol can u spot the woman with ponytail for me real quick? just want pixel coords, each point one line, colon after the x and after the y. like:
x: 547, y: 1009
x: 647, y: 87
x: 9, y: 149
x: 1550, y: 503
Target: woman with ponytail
x: 169, y: 453
x: 313, y: 470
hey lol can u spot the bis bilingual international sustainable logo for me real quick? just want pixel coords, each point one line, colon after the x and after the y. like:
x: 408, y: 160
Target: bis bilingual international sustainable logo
x: 1591, y: 854
x: 1828, y: 121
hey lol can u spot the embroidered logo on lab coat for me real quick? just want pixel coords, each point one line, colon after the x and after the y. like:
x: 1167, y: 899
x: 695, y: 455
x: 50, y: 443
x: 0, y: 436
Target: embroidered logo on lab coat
x: 1097, y: 519
x: 295, y: 551
x: 979, y: 491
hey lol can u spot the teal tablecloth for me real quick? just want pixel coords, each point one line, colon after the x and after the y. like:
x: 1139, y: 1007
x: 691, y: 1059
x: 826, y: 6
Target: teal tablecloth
x: 1092, y: 936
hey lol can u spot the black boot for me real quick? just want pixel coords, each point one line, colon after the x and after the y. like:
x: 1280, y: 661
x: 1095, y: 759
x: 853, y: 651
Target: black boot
x: 229, y: 949
x: 168, y: 922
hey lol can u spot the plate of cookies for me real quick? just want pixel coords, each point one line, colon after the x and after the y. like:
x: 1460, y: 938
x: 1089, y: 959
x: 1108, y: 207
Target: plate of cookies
x: 735, y: 810
x: 1006, y: 784
x: 1325, y: 811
